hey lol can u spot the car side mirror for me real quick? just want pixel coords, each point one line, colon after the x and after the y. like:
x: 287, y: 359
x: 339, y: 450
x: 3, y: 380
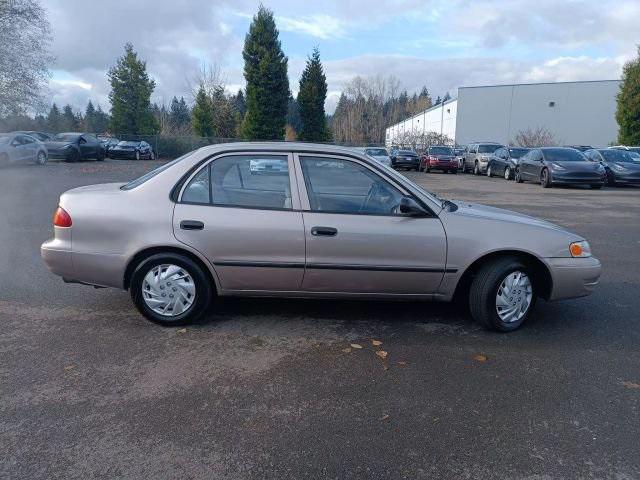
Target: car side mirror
x: 411, y: 208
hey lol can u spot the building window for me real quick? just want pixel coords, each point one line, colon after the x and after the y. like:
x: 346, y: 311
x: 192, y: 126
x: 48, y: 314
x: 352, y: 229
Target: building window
x: 552, y: 104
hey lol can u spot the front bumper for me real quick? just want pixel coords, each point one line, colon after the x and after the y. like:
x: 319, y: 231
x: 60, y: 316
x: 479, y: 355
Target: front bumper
x: 578, y: 178
x: 631, y: 178
x: 122, y: 154
x: 573, y: 277
x: 444, y: 166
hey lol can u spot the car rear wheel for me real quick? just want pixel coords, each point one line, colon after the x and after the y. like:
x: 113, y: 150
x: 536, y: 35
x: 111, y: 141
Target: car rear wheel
x: 476, y: 168
x: 507, y: 173
x: 170, y: 289
x: 489, y: 171
x: 518, y: 176
x: 502, y: 295
x: 545, y: 179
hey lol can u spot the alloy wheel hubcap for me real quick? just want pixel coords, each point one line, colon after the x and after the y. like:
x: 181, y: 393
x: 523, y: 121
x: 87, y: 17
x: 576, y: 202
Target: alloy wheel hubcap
x: 514, y: 297
x: 168, y: 290
x: 507, y: 174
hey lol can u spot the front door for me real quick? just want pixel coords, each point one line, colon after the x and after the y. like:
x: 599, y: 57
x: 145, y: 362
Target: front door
x: 239, y: 212
x: 357, y: 241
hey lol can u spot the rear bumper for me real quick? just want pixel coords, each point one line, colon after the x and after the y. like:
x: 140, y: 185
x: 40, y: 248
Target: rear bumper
x: 573, y: 277
x: 57, y: 257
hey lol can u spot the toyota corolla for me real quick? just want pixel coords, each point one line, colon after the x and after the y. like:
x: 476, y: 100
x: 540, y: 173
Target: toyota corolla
x: 333, y: 223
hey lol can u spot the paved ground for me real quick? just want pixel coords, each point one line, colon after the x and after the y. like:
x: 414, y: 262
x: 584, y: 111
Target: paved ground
x: 265, y: 389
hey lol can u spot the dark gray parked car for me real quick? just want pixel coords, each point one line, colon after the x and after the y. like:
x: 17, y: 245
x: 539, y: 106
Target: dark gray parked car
x: 504, y: 161
x: 73, y: 147
x: 622, y: 166
x: 556, y: 165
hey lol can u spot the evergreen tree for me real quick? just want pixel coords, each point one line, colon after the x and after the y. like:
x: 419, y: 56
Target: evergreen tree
x: 628, y: 109
x: 293, y: 115
x: 131, y: 90
x: 89, y: 118
x: 311, y: 98
x: 224, y: 119
x: 68, y: 119
x: 265, y: 70
x: 438, y: 101
x: 100, y: 121
x: 202, y: 115
x: 446, y: 97
x: 239, y: 103
x: 179, y: 116
x: 54, y: 119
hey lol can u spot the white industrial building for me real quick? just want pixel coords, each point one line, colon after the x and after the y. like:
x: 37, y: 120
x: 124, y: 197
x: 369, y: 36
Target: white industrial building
x: 576, y: 113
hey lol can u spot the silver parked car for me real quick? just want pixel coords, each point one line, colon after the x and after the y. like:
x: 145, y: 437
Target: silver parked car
x: 338, y: 224
x: 379, y: 154
x: 477, y: 156
x: 19, y: 147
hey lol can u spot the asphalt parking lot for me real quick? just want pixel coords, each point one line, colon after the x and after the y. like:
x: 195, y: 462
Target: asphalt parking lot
x: 272, y: 388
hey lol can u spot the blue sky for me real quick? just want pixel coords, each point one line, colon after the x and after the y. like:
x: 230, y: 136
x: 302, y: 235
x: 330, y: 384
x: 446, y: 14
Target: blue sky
x: 442, y: 44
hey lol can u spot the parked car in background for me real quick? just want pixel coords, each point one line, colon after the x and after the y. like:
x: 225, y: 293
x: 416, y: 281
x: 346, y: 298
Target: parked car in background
x: 268, y: 166
x: 74, y: 147
x: 407, y: 159
x: 459, y: 153
x: 108, y: 143
x: 18, y: 147
x: 132, y: 150
x: 559, y: 165
x: 41, y: 136
x: 504, y: 160
x: 439, y: 157
x: 335, y: 225
x: 477, y: 156
x: 378, y: 154
x: 624, y: 147
x: 622, y: 166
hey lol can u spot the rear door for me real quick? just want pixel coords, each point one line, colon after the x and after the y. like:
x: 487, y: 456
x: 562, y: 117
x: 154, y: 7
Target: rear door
x: 356, y: 241
x: 246, y: 221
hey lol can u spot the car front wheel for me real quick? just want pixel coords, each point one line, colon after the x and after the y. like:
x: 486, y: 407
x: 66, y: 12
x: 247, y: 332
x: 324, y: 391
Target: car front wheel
x: 489, y: 171
x: 545, y: 179
x: 502, y: 295
x: 476, y: 169
x: 41, y: 159
x: 507, y: 173
x: 518, y: 176
x: 170, y: 289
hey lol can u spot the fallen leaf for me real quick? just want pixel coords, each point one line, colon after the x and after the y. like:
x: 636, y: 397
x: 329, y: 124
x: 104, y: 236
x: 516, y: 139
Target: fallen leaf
x: 402, y: 364
x: 356, y: 345
x: 69, y: 367
x: 376, y: 343
x: 182, y: 330
x: 480, y: 358
x: 382, y: 354
x: 384, y: 417
x: 346, y: 350
x: 629, y: 384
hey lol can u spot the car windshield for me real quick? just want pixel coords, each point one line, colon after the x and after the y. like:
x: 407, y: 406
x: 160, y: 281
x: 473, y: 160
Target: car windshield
x: 129, y: 144
x: 517, y: 152
x: 441, y: 151
x: 488, y: 148
x: 458, y: 151
x: 622, y: 156
x: 563, y: 155
x: 66, y: 137
x: 376, y: 152
x: 147, y: 176
x: 406, y: 152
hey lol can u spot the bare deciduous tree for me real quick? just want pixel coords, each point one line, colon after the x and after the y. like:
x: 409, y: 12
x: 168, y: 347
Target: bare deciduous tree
x: 535, y: 137
x: 24, y: 55
x: 417, y: 140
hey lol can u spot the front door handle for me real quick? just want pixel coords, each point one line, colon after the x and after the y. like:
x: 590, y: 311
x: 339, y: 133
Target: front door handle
x: 324, y: 231
x: 191, y: 225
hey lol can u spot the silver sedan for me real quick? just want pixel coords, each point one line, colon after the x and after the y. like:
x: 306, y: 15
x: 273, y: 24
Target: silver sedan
x: 327, y: 222
x: 19, y: 147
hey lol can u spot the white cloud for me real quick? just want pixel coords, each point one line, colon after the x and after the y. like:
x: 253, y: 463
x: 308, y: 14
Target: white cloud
x: 318, y: 26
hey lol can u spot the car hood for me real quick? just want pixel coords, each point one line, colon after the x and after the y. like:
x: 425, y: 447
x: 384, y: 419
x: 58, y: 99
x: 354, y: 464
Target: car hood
x: 585, y: 166
x: 500, y: 214
x: 380, y: 157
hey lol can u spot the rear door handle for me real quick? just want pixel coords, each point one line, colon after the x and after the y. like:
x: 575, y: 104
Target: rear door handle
x: 191, y: 225
x: 324, y: 231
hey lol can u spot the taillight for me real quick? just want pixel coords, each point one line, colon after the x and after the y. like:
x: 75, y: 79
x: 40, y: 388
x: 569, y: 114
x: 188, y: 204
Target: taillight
x: 61, y: 218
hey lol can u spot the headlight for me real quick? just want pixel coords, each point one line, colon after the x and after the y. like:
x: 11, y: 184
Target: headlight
x: 580, y: 249
x: 618, y: 167
x: 556, y: 166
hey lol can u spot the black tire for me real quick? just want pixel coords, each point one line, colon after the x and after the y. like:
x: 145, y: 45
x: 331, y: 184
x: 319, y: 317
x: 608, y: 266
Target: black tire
x: 484, y: 289
x: 100, y: 156
x: 596, y: 186
x: 545, y: 178
x: 464, y: 167
x: 507, y: 173
x: 454, y: 171
x: 41, y: 158
x: 518, y: 176
x: 476, y: 168
x: 203, y: 289
x: 489, y: 171
x: 74, y: 157
x: 137, y: 155
x: 610, y: 180
x: 152, y: 156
